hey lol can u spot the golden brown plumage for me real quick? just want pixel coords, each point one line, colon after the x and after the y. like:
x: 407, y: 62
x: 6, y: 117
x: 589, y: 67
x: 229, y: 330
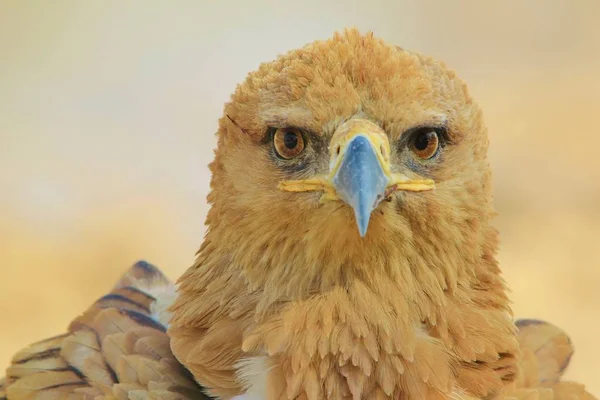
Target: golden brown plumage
x: 116, y: 350
x: 417, y: 307
x: 134, y: 361
x: 287, y: 298
x: 546, y: 353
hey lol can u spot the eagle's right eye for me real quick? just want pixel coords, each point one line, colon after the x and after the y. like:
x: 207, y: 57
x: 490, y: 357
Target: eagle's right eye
x: 288, y: 142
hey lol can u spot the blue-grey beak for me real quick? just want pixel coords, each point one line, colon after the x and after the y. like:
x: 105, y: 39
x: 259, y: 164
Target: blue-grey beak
x: 360, y: 180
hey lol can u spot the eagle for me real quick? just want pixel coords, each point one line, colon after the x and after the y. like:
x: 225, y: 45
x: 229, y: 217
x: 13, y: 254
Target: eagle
x: 350, y: 253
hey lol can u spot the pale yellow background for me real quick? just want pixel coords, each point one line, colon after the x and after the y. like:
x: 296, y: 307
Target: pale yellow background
x: 108, y: 111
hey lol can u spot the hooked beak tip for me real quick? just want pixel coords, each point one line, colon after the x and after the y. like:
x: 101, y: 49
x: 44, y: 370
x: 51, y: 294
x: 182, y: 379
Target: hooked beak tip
x: 362, y: 220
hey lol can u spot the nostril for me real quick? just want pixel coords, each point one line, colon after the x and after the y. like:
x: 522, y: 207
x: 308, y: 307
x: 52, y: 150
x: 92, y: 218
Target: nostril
x: 381, y: 150
x: 337, y: 151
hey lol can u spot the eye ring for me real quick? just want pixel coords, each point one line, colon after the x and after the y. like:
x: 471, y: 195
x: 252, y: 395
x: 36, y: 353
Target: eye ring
x: 288, y: 142
x: 425, y: 143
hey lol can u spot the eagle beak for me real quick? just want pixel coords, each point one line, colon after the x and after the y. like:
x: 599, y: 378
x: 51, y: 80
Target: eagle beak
x: 359, y: 171
x: 360, y: 181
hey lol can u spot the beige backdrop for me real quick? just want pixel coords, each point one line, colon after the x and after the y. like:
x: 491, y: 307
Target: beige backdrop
x: 108, y: 109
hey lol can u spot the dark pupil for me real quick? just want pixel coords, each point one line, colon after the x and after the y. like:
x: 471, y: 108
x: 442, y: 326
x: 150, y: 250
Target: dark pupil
x: 422, y: 140
x: 290, y: 140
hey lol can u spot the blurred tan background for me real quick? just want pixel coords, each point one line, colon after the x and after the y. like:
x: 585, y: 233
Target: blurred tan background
x: 108, y: 112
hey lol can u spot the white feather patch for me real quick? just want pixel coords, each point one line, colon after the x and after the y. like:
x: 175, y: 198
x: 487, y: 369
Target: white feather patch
x: 252, y: 373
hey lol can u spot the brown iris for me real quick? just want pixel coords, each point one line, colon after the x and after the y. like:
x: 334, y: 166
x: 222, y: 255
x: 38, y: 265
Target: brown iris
x: 288, y: 142
x: 425, y: 143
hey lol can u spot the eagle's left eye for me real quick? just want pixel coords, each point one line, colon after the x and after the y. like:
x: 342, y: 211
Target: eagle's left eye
x: 288, y: 142
x: 425, y: 143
